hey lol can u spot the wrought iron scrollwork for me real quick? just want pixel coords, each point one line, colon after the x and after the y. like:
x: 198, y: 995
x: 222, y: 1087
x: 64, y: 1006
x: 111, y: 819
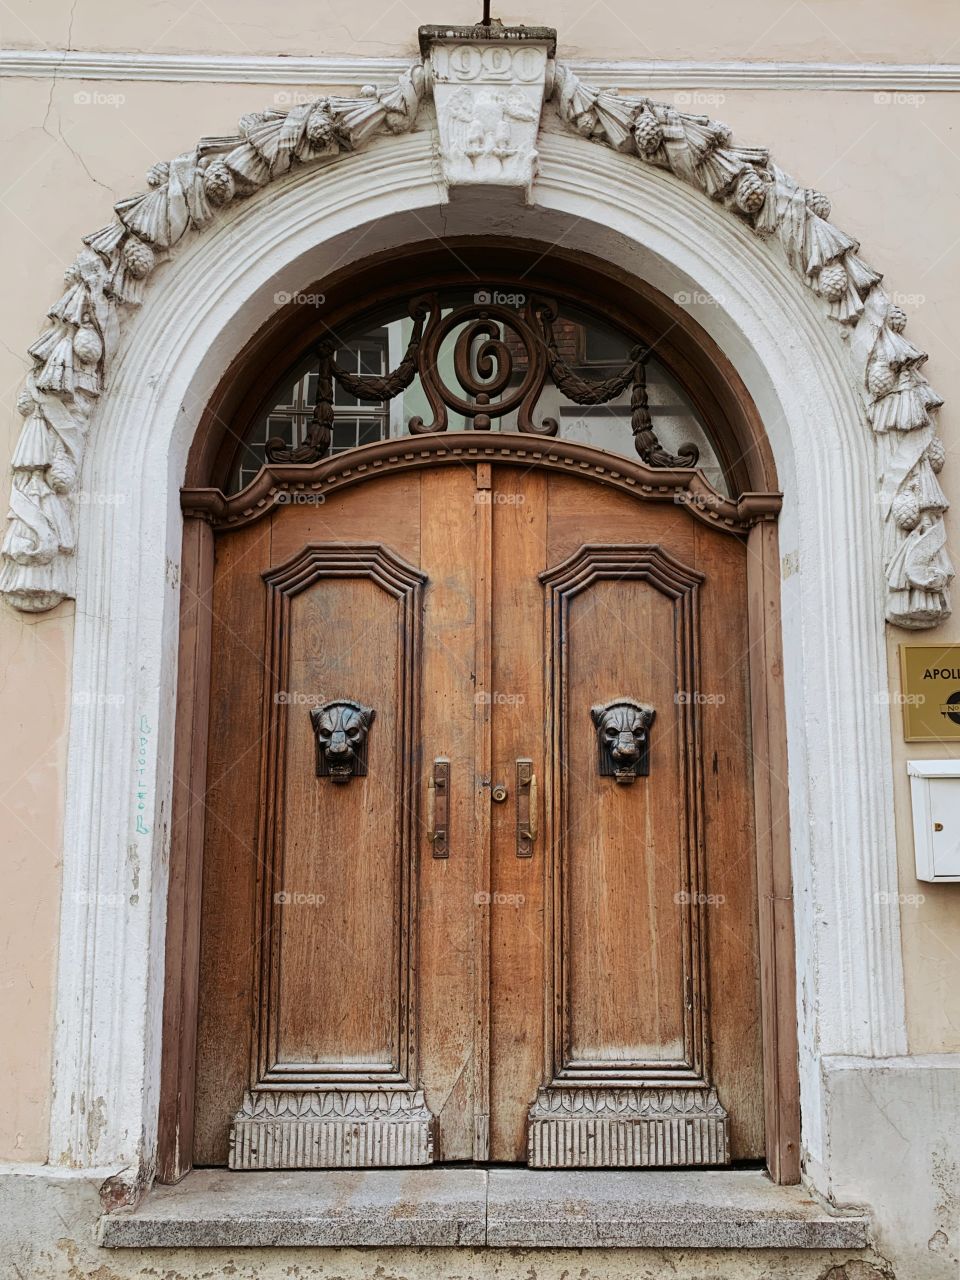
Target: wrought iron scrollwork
x: 485, y: 362
x: 484, y: 366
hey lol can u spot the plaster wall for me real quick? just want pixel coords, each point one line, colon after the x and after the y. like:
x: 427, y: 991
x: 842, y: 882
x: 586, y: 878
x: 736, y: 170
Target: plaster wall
x: 853, y: 31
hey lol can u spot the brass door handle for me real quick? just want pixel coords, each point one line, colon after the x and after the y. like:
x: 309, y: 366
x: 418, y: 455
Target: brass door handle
x: 438, y: 808
x: 527, y: 808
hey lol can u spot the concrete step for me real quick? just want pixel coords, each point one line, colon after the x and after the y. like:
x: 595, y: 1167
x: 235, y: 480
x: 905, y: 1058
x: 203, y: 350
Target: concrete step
x: 496, y: 1207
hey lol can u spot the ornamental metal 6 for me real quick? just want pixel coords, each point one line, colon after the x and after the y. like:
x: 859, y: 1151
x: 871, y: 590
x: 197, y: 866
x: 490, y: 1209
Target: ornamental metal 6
x: 495, y: 345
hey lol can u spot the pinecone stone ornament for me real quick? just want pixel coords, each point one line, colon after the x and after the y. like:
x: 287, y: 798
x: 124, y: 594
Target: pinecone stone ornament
x: 881, y: 379
x: 647, y: 133
x: 936, y: 454
x: 87, y: 344
x: 897, y: 319
x: 61, y: 474
x: 751, y: 191
x: 906, y: 510
x: 818, y: 203
x: 833, y: 282
x: 218, y: 183
x: 138, y: 258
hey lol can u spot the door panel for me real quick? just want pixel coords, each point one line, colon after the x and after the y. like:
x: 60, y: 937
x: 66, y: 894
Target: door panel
x: 587, y: 994
x: 646, y: 915
x: 621, y: 939
x: 336, y: 1083
x: 516, y: 910
x: 344, y: 912
x: 225, y: 996
x: 449, y: 922
x: 626, y: 879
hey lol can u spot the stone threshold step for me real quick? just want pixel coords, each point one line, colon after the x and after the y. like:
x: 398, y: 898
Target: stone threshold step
x: 499, y: 1208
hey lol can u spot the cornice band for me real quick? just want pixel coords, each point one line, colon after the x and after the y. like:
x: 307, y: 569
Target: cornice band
x: 633, y: 75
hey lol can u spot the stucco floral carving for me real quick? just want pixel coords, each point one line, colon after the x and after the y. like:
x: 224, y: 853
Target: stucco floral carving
x: 898, y: 401
x: 112, y: 273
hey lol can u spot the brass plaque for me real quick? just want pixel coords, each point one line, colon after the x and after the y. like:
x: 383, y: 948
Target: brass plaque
x: 930, y: 692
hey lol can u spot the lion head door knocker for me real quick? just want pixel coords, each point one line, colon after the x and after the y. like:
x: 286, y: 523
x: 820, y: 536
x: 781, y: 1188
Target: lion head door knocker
x: 623, y: 738
x: 341, y: 729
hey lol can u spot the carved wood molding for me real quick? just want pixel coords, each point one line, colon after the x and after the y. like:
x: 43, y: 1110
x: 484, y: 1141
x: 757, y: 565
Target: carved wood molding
x: 281, y: 483
x: 344, y: 560
x: 352, y: 1129
x: 305, y: 1114
x: 71, y: 360
x: 627, y: 1128
x: 310, y: 565
x: 681, y: 584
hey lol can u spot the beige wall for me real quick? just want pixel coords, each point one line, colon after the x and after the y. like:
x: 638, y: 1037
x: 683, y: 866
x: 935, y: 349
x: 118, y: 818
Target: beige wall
x: 890, y: 168
x: 834, y: 30
x: 34, y: 684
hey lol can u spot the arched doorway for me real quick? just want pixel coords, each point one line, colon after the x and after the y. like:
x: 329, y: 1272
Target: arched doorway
x: 443, y: 985
x: 120, y: 970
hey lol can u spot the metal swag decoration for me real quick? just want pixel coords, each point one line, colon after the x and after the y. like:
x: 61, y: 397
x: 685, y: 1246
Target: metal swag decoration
x: 341, y: 728
x: 623, y: 739
x: 486, y: 369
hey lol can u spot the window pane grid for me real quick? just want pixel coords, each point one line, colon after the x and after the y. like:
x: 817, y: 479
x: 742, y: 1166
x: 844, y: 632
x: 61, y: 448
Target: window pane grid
x: 355, y: 422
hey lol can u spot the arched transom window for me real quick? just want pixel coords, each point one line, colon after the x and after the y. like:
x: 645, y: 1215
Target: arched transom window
x: 461, y: 359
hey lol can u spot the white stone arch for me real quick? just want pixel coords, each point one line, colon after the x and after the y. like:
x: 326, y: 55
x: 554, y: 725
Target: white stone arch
x: 204, y: 306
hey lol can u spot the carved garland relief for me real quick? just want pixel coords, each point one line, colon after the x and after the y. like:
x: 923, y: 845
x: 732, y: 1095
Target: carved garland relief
x: 488, y: 85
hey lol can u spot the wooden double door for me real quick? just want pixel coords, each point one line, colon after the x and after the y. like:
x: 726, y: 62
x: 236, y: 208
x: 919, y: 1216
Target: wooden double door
x: 479, y: 870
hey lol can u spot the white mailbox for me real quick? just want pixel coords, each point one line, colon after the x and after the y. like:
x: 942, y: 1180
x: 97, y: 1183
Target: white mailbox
x: 935, y: 792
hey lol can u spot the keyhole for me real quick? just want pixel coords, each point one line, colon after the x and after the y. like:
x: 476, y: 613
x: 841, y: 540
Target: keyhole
x: 499, y: 793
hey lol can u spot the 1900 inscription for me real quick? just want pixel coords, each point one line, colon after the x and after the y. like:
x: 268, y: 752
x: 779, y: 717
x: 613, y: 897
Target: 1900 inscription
x: 500, y: 63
